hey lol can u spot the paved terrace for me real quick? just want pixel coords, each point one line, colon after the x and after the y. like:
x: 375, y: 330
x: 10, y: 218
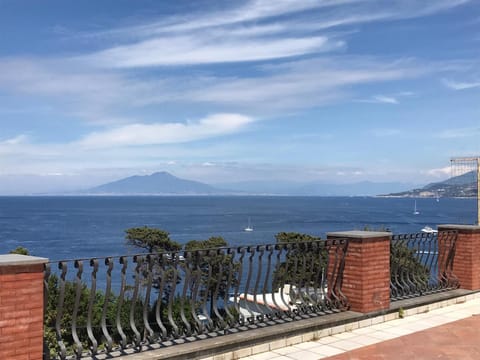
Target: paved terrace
x: 428, y: 332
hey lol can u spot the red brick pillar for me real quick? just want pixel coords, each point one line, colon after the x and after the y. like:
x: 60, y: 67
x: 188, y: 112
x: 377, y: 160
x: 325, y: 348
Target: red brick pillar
x: 366, y: 277
x: 466, y: 263
x: 21, y: 307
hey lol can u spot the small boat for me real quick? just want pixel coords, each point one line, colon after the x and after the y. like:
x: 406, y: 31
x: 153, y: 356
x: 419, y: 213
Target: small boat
x: 429, y: 230
x: 415, y: 211
x: 249, y: 226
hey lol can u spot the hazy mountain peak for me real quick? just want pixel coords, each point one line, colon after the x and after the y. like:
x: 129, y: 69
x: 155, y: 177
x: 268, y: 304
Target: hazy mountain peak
x: 160, y: 182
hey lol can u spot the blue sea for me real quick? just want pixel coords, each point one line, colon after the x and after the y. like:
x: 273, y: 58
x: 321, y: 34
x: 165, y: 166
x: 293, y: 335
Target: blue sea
x: 82, y: 227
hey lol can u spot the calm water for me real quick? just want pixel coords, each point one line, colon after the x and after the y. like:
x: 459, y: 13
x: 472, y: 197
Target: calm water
x: 73, y: 227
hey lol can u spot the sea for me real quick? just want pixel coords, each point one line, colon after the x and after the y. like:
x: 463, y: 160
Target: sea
x: 72, y: 227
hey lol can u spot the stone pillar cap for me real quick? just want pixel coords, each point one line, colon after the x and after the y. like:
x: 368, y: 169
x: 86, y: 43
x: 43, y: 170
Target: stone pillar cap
x: 17, y: 259
x: 358, y: 234
x: 459, y: 227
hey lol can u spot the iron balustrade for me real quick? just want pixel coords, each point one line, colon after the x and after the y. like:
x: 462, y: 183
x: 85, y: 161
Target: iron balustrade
x: 130, y: 303
x: 421, y: 264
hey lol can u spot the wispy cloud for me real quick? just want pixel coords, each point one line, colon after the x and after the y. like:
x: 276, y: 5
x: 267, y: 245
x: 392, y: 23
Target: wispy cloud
x: 439, y: 172
x: 456, y: 85
x: 19, y: 139
x: 307, y: 83
x: 455, y: 133
x: 188, y: 50
x: 380, y: 99
x: 235, y: 35
x: 392, y: 99
x: 167, y: 133
x: 110, y: 98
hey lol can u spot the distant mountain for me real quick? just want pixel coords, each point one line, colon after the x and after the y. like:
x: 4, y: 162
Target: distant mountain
x: 163, y: 183
x: 364, y: 188
x: 459, y: 186
x: 160, y: 183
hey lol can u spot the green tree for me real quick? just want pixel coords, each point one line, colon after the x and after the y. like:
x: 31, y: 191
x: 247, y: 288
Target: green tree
x: 67, y: 310
x: 213, y: 269
x: 20, y: 250
x: 151, y: 239
x: 305, y: 260
x: 406, y: 270
x: 156, y: 241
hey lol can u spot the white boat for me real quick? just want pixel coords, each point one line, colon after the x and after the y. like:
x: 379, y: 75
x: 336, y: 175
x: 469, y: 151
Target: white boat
x: 249, y: 226
x: 415, y: 211
x: 429, y: 230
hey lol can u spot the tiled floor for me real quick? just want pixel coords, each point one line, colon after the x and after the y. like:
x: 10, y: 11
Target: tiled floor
x: 447, y: 333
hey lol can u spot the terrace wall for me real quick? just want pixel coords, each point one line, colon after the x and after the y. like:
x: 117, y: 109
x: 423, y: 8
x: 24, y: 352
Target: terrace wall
x: 21, y: 307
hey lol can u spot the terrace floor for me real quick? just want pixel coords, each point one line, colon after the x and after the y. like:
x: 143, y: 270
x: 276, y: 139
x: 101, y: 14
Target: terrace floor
x: 449, y: 332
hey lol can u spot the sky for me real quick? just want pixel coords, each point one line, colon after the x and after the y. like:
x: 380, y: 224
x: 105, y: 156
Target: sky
x: 336, y: 91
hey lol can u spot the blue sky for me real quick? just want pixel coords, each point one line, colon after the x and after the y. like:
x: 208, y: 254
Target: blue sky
x: 293, y: 90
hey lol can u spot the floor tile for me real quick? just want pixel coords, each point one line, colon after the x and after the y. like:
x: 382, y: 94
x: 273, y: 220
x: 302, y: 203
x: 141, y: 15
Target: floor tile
x: 303, y: 355
x: 346, y: 345
x: 327, y: 350
x: 436, y: 334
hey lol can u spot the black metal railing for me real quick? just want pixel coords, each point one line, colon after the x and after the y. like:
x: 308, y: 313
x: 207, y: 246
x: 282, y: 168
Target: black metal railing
x: 130, y: 303
x: 421, y: 264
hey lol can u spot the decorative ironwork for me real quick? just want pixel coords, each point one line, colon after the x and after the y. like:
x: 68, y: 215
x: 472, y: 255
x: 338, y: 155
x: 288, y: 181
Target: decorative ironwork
x: 421, y: 264
x: 128, y: 303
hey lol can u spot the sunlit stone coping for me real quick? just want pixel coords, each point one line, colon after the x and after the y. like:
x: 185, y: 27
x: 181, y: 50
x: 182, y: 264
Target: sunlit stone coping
x: 16, y: 259
x: 359, y: 234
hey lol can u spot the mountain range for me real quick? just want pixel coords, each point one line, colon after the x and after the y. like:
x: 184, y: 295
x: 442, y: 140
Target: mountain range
x: 459, y: 186
x: 164, y: 183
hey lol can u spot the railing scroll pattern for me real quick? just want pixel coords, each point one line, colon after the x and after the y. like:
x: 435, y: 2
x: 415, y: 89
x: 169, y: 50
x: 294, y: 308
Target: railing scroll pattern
x: 421, y: 264
x: 118, y: 305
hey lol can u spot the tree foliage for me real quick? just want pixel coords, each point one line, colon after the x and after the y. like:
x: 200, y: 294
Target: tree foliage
x: 405, y: 264
x: 20, y: 250
x: 151, y: 239
x: 66, y: 309
x: 214, y: 270
x: 304, y: 263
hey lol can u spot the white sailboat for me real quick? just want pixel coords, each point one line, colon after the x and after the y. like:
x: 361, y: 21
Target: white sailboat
x: 415, y: 211
x: 249, y: 226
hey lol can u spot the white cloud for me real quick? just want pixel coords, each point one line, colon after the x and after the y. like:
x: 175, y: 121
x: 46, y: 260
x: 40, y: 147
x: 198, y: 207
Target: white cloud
x: 256, y: 31
x: 305, y: 83
x: 385, y: 99
x: 455, y: 85
x: 115, y: 98
x: 439, y: 172
x: 19, y: 139
x: 393, y: 99
x: 246, y: 16
x: 380, y: 99
x: 455, y: 133
x: 167, y: 133
x: 189, y: 50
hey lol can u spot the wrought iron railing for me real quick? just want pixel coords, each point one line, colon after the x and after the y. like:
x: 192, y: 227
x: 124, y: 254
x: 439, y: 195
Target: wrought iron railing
x: 129, y: 303
x: 421, y: 264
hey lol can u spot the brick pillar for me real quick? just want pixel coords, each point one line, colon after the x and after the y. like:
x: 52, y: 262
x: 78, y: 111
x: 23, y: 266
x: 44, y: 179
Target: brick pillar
x: 466, y: 263
x: 366, y: 277
x: 21, y: 307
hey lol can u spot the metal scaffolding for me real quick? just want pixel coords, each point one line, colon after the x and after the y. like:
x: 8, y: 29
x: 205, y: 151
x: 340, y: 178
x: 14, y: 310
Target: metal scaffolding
x: 468, y: 167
